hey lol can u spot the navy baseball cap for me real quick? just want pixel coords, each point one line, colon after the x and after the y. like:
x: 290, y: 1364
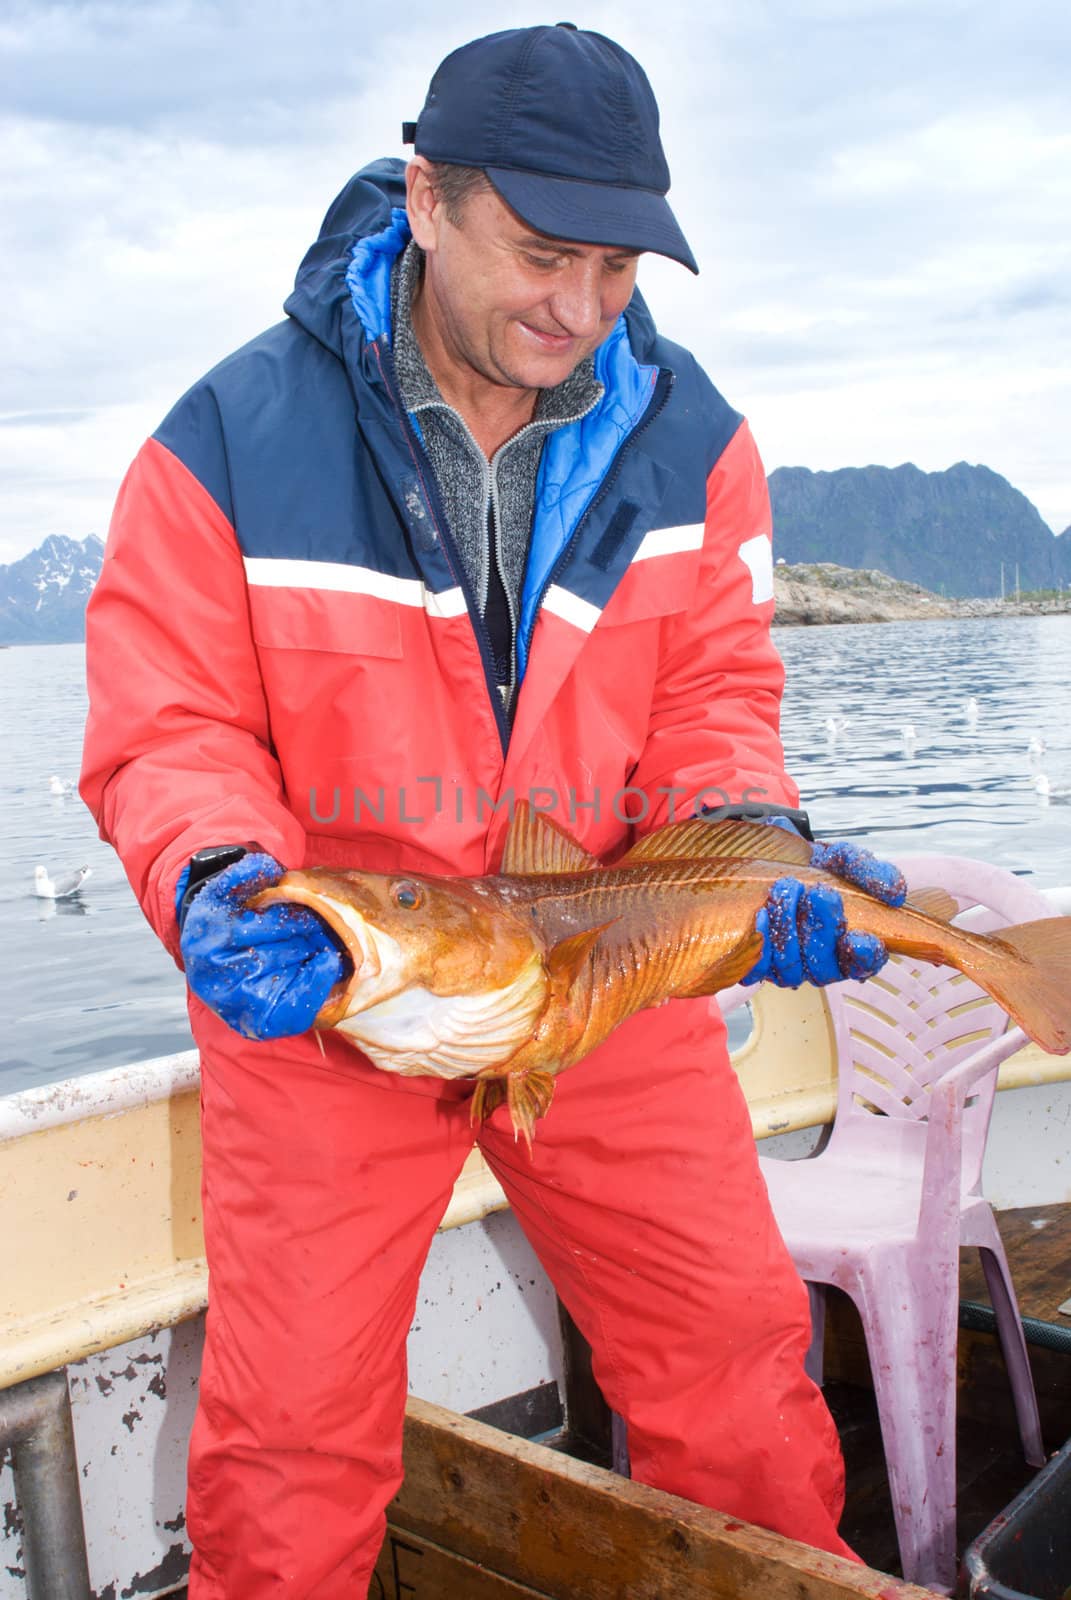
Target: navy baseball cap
x: 565, y: 125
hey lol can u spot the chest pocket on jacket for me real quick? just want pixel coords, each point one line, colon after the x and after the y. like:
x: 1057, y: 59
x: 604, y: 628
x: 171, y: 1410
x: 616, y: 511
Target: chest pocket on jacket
x: 660, y: 580
x: 325, y: 620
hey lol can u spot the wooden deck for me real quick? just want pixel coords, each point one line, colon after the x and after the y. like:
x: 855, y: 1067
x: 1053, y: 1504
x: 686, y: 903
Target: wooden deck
x: 1038, y: 1242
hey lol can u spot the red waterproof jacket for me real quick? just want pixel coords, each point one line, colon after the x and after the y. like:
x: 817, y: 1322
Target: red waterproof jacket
x: 282, y: 645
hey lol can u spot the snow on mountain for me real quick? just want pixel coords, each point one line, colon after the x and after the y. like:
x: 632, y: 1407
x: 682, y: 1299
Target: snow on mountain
x: 43, y: 596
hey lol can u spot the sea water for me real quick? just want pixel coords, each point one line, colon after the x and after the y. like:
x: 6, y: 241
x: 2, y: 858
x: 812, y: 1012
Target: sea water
x: 85, y: 984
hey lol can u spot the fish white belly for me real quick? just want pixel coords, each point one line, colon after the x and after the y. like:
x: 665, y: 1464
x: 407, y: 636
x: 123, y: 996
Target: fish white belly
x: 448, y: 1036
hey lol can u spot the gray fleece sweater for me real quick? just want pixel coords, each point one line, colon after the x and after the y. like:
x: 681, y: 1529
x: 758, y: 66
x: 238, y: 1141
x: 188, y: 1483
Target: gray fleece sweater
x: 488, y: 504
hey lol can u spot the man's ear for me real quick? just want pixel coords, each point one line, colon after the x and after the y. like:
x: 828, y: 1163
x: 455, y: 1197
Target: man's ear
x: 421, y: 203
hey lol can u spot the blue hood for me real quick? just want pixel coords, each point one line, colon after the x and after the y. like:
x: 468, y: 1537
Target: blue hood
x: 364, y: 207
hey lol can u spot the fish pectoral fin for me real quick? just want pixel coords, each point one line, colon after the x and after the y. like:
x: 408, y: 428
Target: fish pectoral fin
x: 729, y: 970
x: 698, y: 839
x: 568, y: 956
x: 933, y: 903
x: 535, y: 844
x: 333, y: 1010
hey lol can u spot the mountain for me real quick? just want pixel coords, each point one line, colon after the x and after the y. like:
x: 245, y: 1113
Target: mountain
x: 43, y: 596
x: 948, y: 531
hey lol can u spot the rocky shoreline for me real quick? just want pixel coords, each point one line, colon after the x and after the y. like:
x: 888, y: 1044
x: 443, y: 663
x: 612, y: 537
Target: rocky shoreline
x: 825, y: 593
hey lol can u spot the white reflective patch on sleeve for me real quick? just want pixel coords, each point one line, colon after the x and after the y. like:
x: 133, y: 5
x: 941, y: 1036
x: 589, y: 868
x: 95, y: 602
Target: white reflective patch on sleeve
x: 450, y: 603
x: 336, y: 577
x: 757, y: 556
x: 581, y: 613
x: 671, y: 541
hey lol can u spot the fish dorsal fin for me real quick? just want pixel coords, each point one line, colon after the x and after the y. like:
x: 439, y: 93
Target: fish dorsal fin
x: 568, y: 955
x: 535, y: 844
x: 698, y: 839
x: 934, y: 903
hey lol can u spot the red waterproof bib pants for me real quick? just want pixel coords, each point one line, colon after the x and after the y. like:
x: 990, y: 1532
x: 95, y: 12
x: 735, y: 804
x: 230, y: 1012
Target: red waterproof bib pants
x: 323, y: 1187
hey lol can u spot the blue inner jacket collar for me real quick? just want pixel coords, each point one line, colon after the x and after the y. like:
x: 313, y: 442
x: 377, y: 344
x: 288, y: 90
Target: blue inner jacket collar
x: 368, y: 274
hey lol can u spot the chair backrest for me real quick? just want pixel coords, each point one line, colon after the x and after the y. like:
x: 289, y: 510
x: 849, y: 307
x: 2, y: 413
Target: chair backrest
x: 899, y: 1032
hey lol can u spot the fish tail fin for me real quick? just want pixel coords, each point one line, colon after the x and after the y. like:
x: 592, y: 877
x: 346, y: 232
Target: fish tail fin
x: 1035, y: 990
x: 528, y: 1095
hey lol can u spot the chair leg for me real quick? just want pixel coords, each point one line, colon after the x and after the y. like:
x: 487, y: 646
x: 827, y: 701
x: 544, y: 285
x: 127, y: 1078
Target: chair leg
x: 814, y: 1361
x: 1013, y: 1344
x: 620, y: 1460
x: 910, y: 1321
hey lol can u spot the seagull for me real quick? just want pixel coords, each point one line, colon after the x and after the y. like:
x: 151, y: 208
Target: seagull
x: 1036, y: 748
x: 1046, y: 790
x: 970, y: 712
x: 909, y: 735
x: 62, y: 888
x: 58, y: 786
x: 835, y: 726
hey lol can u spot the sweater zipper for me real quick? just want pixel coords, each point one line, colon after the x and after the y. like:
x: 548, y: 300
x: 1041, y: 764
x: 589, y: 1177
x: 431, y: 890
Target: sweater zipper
x: 492, y: 519
x: 453, y: 555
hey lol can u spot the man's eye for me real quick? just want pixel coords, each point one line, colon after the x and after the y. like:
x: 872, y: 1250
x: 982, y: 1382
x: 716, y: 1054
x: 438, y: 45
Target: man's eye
x: 546, y: 262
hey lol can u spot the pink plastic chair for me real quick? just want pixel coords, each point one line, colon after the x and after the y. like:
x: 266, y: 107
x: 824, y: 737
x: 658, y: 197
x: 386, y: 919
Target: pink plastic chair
x: 882, y: 1210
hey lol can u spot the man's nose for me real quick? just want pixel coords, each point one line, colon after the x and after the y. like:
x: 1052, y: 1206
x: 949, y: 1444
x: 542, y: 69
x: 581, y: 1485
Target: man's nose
x: 577, y: 302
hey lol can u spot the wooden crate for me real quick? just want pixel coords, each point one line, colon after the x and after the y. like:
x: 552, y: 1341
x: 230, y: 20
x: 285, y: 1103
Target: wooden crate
x: 484, y: 1515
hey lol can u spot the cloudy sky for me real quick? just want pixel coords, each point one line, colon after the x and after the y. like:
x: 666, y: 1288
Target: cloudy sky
x: 878, y: 192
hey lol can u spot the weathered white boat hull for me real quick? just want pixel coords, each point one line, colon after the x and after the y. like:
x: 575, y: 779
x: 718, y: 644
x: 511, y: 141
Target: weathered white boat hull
x: 486, y: 1328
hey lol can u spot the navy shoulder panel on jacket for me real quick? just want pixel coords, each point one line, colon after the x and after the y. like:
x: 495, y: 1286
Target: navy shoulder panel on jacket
x: 705, y: 413
x: 272, y: 431
x: 270, y: 434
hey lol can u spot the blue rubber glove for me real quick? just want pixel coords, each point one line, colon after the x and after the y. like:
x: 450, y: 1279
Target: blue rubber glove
x: 804, y: 928
x: 266, y: 973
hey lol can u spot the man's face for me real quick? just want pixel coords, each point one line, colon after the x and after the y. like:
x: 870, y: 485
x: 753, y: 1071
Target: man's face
x: 515, y: 307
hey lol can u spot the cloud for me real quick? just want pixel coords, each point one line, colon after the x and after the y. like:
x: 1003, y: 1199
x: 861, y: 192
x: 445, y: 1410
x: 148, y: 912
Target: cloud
x: 211, y: 70
x: 877, y: 191
x: 40, y: 419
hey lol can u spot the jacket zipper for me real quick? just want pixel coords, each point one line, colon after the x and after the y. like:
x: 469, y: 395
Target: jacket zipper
x: 655, y: 406
x: 491, y: 508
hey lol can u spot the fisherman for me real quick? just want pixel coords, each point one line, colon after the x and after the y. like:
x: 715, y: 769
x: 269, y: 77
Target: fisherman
x: 464, y: 529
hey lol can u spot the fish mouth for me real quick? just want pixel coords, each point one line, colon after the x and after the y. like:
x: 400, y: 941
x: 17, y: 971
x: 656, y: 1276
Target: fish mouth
x: 355, y: 935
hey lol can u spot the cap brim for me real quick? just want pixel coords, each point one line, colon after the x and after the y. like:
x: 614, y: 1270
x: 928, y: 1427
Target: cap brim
x: 593, y: 213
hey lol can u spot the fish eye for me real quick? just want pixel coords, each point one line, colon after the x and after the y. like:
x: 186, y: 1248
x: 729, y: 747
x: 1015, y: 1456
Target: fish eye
x: 405, y: 895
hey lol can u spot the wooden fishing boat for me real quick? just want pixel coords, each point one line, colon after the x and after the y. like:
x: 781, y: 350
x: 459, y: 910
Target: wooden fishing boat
x: 105, y: 1284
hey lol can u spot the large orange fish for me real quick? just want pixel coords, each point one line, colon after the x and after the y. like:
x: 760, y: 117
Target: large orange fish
x: 509, y: 979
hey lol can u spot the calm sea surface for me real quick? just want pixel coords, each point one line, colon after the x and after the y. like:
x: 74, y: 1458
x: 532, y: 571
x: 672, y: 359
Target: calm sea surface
x: 86, y: 985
